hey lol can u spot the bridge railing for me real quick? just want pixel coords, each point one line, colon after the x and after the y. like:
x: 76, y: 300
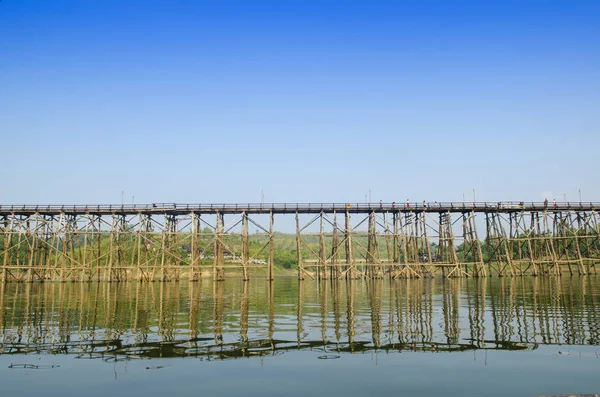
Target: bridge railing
x: 423, y: 205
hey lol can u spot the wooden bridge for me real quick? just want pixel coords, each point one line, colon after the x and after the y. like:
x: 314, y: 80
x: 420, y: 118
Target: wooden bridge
x: 167, y: 241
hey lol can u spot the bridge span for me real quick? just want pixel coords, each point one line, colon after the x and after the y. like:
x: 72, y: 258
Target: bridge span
x: 293, y: 208
x: 169, y: 241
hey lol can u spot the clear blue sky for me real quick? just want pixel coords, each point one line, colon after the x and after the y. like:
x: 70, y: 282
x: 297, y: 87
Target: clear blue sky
x: 214, y: 101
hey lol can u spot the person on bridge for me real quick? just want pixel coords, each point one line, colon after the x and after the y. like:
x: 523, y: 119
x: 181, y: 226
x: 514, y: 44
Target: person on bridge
x: 393, y: 204
x: 545, y: 203
x: 380, y: 203
x: 407, y: 203
x: 554, y: 203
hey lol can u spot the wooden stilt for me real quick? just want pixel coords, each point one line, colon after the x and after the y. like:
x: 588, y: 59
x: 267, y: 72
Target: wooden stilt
x: 350, y: 270
x: 322, y: 257
x: 271, y: 261
x: 245, y: 248
x: 335, y: 269
x: 299, y: 249
x: 219, y: 259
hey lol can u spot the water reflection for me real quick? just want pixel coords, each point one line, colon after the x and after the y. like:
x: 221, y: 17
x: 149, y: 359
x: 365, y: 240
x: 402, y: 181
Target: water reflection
x: 234, y: 319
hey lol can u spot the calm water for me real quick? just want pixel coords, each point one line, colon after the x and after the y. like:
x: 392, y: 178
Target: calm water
x: 494, y: 337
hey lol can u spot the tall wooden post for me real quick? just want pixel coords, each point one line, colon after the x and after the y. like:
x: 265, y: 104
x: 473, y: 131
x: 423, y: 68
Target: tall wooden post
x: 271, y: 248
x: 396, y: 249
x: 335, y: 270
x: 322, y: 258
x: 371, y: 246
x: 404, y: 227
x: 426, y: 243
x: 86, y: 273
x: 350, y: 270
x: 7, y: 244
x: 388, y: 248
x: 65, y: 246
x: 194, y: 257
x: 480, y: 267
x: 32, y: 247
x: 580, y: 265
x: 563, y: 233
x: 508, y: 246
x: 245, y: 247
x: 299, y: 249
x: 141, y: 223
x: 531, y: 242
x: 549, y: 242
x: 219, y: 257
x: 109, y: 273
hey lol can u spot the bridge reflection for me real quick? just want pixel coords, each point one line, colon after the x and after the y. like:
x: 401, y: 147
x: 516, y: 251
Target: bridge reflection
x: 234, y: 320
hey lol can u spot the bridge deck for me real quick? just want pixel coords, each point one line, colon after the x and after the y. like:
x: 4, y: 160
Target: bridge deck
x: 292, y: 208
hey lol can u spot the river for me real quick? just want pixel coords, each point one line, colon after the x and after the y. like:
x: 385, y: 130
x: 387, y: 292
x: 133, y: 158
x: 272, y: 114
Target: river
x: 520, y: 336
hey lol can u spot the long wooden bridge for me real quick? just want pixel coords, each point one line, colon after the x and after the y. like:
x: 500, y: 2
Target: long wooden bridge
x: 167, y: 241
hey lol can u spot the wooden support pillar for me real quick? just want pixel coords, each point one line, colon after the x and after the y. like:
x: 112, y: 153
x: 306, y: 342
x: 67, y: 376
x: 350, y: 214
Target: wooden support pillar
x: 427, y: 246
x: 109, y: 274
x: 350, y: 269
x: 442, y: 257
x: 396, y: 248
x: 371, y: 246
x: 447, y: 246
x: 219, y: 256
x: 531, y: 243
x: 580, y: 265
x: 140, y: 228
x: 245, y: 247
x: 299, y: 249
x: 8, y: 228
x: 404, y: 239
x: 322, y: 257
x: 506, y: 242
x: 174, y: 249
x: 119, y: 273
x: 549, y: 243
x: 388, y: 245
x: 564, y: 234
x: 194, y: 254
x: 271, y: 263
x: 595, y: 227
x: 538, y: 245
x: 583, y: 232
x: 335, y: 270
x: 31, y: 233
x: 86, y: 272
x: 480, y: 267
x: 64, y: 224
